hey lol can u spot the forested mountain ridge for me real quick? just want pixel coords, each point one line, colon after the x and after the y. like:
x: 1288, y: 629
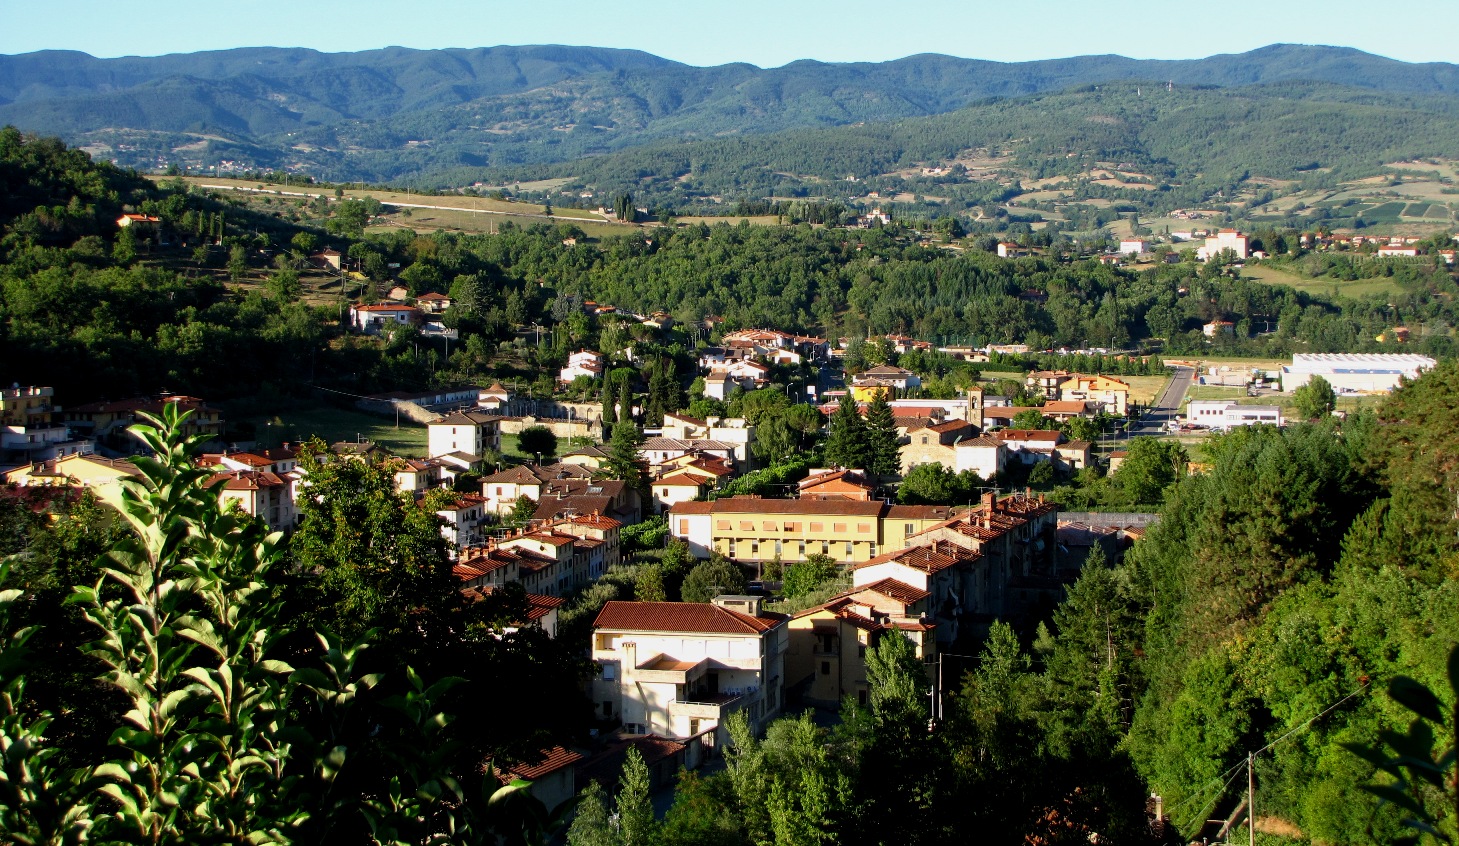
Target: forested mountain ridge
x: 353, y: 115
x: 1187, y: 144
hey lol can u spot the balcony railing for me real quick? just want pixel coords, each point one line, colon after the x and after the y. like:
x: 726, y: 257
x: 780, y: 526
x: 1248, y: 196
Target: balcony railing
x: 713, y: 706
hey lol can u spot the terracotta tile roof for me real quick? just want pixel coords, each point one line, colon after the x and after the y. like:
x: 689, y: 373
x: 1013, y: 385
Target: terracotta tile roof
x: 1066, y: 406
x: 555, y: 508
x: 667, y: 444
x: 593, y: 521
x: 757, y: 505
x: 683, y: 479
x: 950, y: 426
x: 981, y: 441
x: 695, y: 421
x: 1051, y: 435
x: 918, y: 512
x: 697, y: 617
x: 692, y: 508
x: 463, y: 500
x: 250, y: 459
x: 432, y: 297
x: 929, y: 558
x: 244, y: 480
x: 900, y: 591
x: 519, y: 475
x: 553, y: 760
x: 551, y: 538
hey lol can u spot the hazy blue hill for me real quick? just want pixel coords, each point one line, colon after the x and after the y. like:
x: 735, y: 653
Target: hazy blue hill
x: 350, y: 115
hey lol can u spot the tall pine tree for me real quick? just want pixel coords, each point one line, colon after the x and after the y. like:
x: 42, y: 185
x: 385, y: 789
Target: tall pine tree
x: 883, y: 452
x: 846, y: 443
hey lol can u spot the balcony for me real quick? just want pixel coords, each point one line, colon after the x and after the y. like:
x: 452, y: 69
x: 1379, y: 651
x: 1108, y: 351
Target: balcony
x: 713, y: 706
x: 665, y: 669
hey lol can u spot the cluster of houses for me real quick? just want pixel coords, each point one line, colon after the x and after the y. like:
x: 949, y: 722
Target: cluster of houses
x: 743, y: 358
x: 922, y: 572
x: 37, y: 431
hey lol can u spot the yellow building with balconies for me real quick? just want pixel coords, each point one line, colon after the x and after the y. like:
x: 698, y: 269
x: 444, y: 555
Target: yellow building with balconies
x: 753, y: 529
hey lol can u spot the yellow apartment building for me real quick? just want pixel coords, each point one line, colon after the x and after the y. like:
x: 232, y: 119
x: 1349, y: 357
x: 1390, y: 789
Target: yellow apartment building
x: 754, y: 529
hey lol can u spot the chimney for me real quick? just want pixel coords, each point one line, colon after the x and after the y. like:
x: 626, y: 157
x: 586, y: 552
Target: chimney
x: 990, y: 499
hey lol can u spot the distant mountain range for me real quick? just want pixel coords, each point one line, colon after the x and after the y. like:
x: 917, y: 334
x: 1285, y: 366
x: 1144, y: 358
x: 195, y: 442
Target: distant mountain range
x: 399, y: 114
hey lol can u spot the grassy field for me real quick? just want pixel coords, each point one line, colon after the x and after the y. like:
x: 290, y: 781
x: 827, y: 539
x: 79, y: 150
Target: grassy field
x: 337, y: 424
x: 759, y: 220
x: 464, y: 220
x: 450, y: 211
x: 1325, y: 287
x: 1144, y: 389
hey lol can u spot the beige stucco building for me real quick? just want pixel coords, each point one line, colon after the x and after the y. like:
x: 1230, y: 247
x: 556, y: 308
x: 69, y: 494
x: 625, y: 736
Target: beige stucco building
x: 679, y: 669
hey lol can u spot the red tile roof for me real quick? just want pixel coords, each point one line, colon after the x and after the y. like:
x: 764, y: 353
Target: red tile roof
x: 900, y: 591
x: 698, y: 617
x: 757, y: 505
x: 681, y: 508
x: 553, y: 760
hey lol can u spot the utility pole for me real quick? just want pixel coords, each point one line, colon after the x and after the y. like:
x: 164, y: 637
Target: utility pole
x: 1250, y: 799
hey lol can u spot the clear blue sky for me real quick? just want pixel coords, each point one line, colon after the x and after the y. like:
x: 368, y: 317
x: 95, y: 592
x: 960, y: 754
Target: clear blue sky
x: 767, y: 33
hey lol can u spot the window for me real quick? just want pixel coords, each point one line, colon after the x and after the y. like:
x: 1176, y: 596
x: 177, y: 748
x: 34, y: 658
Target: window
x: 861, y: 650
x: 747, y: 525
x: 871, y: 551
x: 684, y: 527
x: 825, y: 668
x: 778, y: 549
x: 607, y: 707
x: 861, y: 697
x: 722, y: 525
x: 818, y: 527
x: 924, y: 440
x: 838, y: 528
x: 767, y: 525
x: 907, y: 530
x: 863, y: 528
x: 754, y: 548
x: 610, y: 671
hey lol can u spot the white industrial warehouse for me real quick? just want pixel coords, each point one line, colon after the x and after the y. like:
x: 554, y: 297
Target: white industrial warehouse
x: 1354, y: 372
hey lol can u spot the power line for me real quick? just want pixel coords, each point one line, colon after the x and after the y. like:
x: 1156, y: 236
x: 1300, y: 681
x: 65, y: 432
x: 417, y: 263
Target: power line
x: 1224, y: 780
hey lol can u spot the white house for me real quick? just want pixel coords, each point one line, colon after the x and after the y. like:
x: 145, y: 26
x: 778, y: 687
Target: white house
x: 370, y: 319
x: 461, y: 520
x: 679, y: 669
x: 1226, y: 239
x: 581, y: 363
x: 1134, y: 246
x: 470, y: 432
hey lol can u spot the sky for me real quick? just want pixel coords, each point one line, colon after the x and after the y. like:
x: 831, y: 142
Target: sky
x: 767, y: 33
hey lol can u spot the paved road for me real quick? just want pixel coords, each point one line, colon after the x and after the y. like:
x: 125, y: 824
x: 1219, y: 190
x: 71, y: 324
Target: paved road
x: 1167, y: 405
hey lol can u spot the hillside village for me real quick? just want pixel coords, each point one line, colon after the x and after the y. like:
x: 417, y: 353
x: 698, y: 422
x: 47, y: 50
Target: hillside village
x: 669, y: 674
x: 657, y: 494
